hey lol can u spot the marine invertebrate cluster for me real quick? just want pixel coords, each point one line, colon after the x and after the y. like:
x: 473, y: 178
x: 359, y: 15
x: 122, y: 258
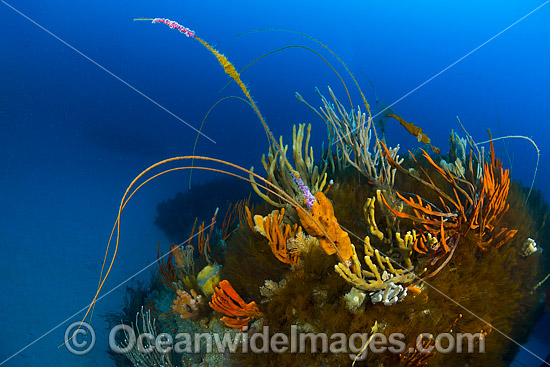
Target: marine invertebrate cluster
x: 228, y: 302
x: 146, y: 355
x: 353, y: 133
x: 477, y: 205
x: 419, y: 246
x: 529, y: 247
x: 321, y: 222
x: 187, y: 305
x: 300, y: 182
x: 278, y: 235
x: 381, y: 277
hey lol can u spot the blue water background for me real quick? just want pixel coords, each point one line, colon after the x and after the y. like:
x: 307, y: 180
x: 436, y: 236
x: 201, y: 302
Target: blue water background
x: 73, y: 136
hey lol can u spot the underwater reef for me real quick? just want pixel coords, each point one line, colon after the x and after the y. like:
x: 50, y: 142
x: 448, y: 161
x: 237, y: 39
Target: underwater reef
x: 360, y: 242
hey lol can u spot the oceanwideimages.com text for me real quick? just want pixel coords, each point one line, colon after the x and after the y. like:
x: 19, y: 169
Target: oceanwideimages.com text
x: 357, y: 345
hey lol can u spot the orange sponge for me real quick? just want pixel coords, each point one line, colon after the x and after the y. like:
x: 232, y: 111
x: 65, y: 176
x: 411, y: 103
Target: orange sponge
x: 328, y: 232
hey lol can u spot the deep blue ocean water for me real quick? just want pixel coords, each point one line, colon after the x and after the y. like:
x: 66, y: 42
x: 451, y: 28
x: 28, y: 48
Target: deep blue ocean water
x: 73, y: 135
